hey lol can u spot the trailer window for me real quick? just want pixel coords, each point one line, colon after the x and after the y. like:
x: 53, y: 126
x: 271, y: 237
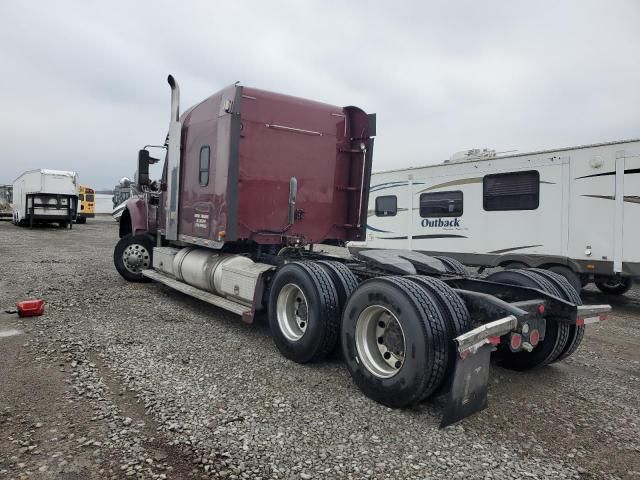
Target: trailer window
x: 386, y: 206
x: 205, y: 153
x: 441, y: 204
x: 511, y: 191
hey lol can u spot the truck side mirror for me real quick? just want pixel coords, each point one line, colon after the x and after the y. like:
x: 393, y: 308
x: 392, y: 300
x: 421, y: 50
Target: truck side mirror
x: 143, y: 167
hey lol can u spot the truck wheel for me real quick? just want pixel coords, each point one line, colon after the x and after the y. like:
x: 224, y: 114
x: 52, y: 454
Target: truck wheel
x: 614, y: 285
x: 303, y: 312
x: 569, y: 274
x: 81, y: 220
x: 514, y: 266
x: 556, y: 335
x: 567, y: 292
x: 452, y: 265
x: 133, y: 253
x: 394, y: 340
x: 456, y: 316
x: 343, y: 279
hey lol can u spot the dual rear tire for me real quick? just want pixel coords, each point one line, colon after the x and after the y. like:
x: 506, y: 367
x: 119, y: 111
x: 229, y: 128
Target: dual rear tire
x: 396, y: 333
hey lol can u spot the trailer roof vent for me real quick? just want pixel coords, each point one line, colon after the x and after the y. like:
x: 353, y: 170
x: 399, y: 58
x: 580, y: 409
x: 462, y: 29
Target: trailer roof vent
x: 473, y: 154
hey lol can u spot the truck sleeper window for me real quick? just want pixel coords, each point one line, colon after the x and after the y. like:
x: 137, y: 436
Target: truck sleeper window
x: 386, y: 206
x: 511, y: 191
x: 205, y: 153
x: 441, y: 204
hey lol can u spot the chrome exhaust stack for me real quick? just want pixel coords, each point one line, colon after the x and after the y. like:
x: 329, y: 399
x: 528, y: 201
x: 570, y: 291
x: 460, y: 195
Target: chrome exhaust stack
x: 173, y: 163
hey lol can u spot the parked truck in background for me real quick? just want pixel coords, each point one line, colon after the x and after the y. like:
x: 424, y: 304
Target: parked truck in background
x: 45, y: 196
x: 573, y: 211
x: 6, y: 199
x: 252, y: 180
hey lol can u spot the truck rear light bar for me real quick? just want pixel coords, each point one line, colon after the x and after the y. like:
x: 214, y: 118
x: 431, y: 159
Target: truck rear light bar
x: 469, y: 343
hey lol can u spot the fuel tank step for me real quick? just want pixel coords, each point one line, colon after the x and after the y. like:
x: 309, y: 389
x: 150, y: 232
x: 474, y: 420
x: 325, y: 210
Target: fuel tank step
x: 208, y: 297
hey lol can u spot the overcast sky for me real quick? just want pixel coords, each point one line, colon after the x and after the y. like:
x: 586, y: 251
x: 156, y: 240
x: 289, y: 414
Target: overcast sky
x: 83, y: 84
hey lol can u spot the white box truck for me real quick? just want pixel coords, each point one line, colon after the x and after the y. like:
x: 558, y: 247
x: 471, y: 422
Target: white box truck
x: 573, y: 211
x: 45, y: 196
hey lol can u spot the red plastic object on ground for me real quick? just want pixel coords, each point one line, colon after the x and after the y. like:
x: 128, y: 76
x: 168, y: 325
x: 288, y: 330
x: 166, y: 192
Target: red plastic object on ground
x: 30, y: 308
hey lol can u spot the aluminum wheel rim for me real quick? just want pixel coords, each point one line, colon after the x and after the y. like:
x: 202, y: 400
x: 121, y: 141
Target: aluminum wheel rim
x: 136, y: 258
x: 380, y: 341
x: 292, y: 311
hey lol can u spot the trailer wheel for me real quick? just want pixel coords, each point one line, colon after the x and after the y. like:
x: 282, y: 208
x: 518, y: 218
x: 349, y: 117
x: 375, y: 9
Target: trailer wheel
x: 394, y: 340
x: 456, y: 316
x: 452, y: 265
x: 576, y: 333
x: 569, y: 275
x: 303, y: 312
x: 556, y: 335
x: 133, y: 253
x: 343, y: 279
x: 614, y: 285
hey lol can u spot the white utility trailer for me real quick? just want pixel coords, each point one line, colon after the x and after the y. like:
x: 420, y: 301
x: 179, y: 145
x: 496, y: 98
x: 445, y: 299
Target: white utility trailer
x: 45, y: 196
x: 575, y: 211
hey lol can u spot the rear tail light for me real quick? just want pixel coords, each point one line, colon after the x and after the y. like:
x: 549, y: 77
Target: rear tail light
x: 516, y: 341
x: 534, y: 337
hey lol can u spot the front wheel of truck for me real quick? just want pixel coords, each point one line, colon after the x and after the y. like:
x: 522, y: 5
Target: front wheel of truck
x: 132, y: 255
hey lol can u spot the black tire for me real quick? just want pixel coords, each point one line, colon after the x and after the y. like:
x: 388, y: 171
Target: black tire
x: 424, y: 332
x: 620, y: 287
x: 452, y: 265
x: 556, y: 335
x: 138, y: 247
x: 514, y: 266
x: 569, y: 275
x: 456, y: 316
x: 81, y: 220
x: 567, y: 292
x: 320, y: 314
x: 343, y: 279
x: 63, y: 224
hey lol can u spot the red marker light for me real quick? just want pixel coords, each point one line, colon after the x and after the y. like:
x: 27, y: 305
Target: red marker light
x: 580, y: 322
x: 541, y: 308
x: 516, y: 341
x: 534, y: 337
x: 493, y: 340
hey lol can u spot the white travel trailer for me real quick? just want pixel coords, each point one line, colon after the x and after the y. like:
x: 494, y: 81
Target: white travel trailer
x: 45, y: 196
x: 572, y: 210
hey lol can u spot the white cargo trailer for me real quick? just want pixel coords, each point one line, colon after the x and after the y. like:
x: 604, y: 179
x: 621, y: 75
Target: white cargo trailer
x: 45, y: 196
x: 575, y: 211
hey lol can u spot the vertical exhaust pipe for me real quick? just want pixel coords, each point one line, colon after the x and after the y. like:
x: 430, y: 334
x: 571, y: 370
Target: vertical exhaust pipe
x: 173, y: 162
x: 175, y: 98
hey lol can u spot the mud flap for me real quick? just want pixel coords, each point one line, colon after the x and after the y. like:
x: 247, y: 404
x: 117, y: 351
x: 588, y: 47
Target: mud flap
x: 468, y: 394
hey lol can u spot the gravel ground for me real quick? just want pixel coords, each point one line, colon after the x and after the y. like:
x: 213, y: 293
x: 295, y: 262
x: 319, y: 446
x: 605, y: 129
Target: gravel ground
x: 122, y: 380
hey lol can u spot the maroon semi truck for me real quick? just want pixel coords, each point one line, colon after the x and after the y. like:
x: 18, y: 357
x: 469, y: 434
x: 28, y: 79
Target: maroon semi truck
x: 252, y: 180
